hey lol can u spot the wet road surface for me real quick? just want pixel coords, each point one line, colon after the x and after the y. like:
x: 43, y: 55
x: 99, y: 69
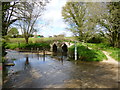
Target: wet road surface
x: 36, y: 71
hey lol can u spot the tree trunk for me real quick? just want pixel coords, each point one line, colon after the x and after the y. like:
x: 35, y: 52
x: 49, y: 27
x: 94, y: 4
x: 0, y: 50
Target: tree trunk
x: 4, y: 33
x: 26, y: 40
x: 3, y: 49
x: 118, y: 39
x: 112, y: 39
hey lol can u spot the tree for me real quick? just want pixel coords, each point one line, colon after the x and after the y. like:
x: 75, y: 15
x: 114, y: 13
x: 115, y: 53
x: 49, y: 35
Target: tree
x: 31, y: 11
x: 111, y: 21
x: 87, y: 19
x: 7, y: 20
x: 11, y: 12
x: 81, y: 22
x: 13, y: 32
x: 114, y: 20
x: 7, y: 16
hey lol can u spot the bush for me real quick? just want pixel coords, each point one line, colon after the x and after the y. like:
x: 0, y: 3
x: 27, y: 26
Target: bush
x: 11, y: 46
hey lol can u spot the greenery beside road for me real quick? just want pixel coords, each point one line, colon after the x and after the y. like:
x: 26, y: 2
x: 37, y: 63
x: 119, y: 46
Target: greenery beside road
x: 94, y: 54
x: 24, y: 46
x: 86, y: 54
x: 114, y: 52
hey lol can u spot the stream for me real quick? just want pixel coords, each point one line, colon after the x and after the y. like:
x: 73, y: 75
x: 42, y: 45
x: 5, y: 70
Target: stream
x: 37, y: 71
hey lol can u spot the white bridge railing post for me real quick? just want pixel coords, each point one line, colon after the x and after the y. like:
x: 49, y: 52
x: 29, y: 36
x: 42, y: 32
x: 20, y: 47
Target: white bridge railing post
x: 75, y: 51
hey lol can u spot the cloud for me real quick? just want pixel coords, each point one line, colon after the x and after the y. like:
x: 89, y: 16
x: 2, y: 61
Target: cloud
x: 53, y: 11
x: 53, y: 16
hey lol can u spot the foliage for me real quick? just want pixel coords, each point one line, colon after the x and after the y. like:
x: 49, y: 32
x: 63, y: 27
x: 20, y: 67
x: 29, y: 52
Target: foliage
x: 110, y: 21
x: 114, y: 52
x: 86, y: 54
x: 97, y: 39
x: 7, y: 16
x: 13, y: 32
x: 7, y: 20
x: 24, y: 46
x: 114, y: 8
x: 82, y: 18
x: 13, y: 11
x: 31, y: 11
x: 87, y: 19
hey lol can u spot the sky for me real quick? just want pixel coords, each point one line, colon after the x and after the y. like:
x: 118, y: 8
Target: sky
x: 55, y: 25
x: 51, y: 22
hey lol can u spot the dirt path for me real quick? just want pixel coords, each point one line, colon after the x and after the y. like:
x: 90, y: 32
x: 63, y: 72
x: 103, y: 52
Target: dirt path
x: 110, y: 59
x: 114, y: 65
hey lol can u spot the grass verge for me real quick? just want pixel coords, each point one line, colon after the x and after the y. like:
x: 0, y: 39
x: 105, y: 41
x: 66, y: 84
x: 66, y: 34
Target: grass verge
x: 86, y: 54
x: 114, y: 52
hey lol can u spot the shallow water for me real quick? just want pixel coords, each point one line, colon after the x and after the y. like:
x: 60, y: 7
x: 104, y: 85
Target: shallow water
x: 36, y: 71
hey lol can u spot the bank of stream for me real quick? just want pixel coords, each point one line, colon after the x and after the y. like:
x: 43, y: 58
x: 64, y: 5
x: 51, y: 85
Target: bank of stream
x: 32, y: 70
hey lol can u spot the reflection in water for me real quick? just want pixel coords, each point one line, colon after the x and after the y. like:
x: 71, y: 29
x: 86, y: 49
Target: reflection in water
x: 60, y: 56
x: 65, y: 48
x: 54, y: 48
x: 62, y: 61
x: 44, y: 58
x: 54, y: 54
x: 32, y: 54
x: 44, y: 55
x: 27, y: 63
x: 37, y: 55
x: 5, y: 73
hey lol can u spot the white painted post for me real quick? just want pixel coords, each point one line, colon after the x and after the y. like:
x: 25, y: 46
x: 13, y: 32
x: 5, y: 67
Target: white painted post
x: 75, y: 51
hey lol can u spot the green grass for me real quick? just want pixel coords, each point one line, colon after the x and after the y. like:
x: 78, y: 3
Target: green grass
x: 114, y: 52
x: 28, y: 46
x: 12, y: 45
x: 86, y: 54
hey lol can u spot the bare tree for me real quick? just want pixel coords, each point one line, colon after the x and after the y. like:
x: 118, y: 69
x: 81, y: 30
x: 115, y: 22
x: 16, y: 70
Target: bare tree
x: 31, y: 11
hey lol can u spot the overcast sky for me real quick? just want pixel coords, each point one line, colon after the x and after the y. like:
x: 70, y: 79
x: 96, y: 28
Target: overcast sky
x: 53, y: 17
